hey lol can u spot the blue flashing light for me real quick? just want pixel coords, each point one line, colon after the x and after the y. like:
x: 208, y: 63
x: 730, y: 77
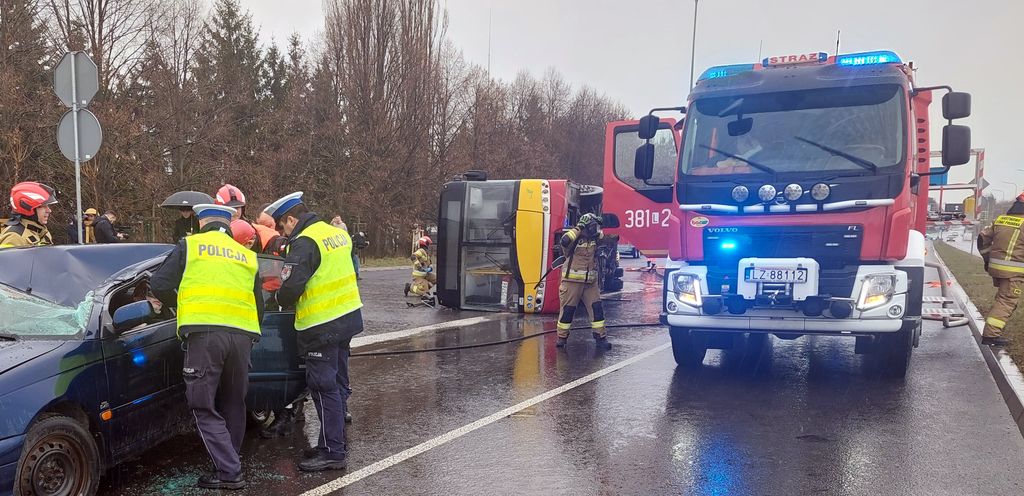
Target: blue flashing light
x: 138, y: 358
x: 868, y: 58
x: 728, y: 245
x: 721, y: 71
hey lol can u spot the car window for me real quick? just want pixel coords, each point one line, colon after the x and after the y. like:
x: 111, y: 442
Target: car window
x: 25, y: 315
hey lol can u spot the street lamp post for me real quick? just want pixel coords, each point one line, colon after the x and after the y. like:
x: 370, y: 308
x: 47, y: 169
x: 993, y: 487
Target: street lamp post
x: 693, y: 44
x: 1001, y: 193
x: 1015, y: 187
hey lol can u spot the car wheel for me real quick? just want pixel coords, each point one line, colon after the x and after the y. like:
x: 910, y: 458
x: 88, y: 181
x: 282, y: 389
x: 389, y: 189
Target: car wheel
x: 259, y: 419
x: 59, y: 457
x: 688, y: 348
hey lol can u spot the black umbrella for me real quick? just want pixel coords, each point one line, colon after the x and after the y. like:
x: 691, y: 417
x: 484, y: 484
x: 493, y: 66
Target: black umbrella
x: 186, y: 199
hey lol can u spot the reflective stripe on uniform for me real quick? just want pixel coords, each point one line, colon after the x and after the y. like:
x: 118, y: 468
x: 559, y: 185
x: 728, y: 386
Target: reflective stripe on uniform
x: 332, y: 291
x: 994, y: 322
x: 597, y: 325
x: 217, y: 284
x: 1009, y: 221
x: 1007, y: 265
x: 564, y: 325
x: 1012, y: 245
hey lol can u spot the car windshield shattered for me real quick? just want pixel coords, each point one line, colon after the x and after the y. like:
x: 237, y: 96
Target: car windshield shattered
x: 24, y: 315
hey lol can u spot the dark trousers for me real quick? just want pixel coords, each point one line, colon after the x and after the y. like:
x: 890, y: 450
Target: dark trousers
x: 216, y: 380
x: 327, y: 379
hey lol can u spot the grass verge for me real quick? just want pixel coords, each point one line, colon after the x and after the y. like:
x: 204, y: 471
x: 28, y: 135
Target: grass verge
x: 384, y: 262
x: 971, y: 275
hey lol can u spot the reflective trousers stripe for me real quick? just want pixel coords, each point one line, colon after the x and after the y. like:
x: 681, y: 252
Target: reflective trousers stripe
x: 994, y: 322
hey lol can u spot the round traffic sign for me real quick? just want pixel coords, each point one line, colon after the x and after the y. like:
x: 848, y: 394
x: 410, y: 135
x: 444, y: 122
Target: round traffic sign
x: 90, y: 135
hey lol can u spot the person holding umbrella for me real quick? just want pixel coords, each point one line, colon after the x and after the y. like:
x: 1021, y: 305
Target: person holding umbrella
x: 183, y: 201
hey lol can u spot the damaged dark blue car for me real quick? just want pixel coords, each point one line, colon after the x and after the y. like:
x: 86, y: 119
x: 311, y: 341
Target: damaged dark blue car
x: 90, y: 378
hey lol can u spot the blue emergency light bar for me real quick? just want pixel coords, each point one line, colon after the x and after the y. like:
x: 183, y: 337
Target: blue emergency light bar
x: 721, y: 71
x: 868, y: 58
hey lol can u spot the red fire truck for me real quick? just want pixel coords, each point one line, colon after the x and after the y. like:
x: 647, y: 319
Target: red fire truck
x: 792, y: 200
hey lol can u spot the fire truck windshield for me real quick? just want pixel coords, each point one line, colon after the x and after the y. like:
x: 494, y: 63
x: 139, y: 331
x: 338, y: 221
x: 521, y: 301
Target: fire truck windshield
x: 850, y: 130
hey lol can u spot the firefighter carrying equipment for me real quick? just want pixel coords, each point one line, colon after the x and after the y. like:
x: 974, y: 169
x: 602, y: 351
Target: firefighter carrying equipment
x: 581, y: 262
x: 423, y: 277
x: 1002, y: 248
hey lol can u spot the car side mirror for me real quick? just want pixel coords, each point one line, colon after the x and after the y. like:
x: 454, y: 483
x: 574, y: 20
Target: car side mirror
x: 956, y: 145
x: 610, y: 221
x: 648, y: 126
x: 132, y: 315
x: 643, y: 162
x: 956, y: 105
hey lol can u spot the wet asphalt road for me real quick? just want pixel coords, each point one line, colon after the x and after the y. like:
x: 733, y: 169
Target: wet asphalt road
x: 795, y: 417
x: 386, y: 308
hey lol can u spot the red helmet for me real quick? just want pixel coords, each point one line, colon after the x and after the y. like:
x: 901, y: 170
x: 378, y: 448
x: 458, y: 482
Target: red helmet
x: 27, y: 196
x: 242, y: 231
x: 424, y: 242
x: 1020, y: 197
x: 230, y: 196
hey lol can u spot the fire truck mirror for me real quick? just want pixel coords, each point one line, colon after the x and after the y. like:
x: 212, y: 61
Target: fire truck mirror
x: 648, y: 126
x: 956, y: 105
x: 609, y: 221
x: 741, y: 126
x: 956, y: 145
x: 643, y: 164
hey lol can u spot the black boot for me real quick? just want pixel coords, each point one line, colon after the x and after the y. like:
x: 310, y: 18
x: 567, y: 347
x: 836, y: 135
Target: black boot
x: 602, y: 342
x: 321, y: 462
x: 560, y: 343
x: 348, y: 417
x: 408, y: 287
x: 994, y: 341
x: 212, y: 481
x: 281, y: 426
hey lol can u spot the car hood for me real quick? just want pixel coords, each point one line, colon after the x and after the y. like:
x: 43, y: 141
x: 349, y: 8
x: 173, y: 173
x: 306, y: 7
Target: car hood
x: 14, y: 353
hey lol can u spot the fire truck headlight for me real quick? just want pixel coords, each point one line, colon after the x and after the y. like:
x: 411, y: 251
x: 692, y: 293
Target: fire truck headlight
x: 687, y: 289
x: 820, y: 191
x: 793, y: 192
x: 766, y: 193
x: 740, y: 194
x: 876, y: 290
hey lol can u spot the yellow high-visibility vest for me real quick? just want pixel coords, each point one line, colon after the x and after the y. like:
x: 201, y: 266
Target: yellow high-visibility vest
x: 332, y: 291
x: 217, y: 285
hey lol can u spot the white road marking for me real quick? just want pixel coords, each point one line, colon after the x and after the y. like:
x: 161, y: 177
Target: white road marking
x: 361, y: 341
x: 452, y: 435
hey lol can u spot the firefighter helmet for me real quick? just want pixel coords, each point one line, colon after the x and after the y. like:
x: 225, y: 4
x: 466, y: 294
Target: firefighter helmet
x: 27, y: 196
x: 424, y: 242
x: 230, y: 196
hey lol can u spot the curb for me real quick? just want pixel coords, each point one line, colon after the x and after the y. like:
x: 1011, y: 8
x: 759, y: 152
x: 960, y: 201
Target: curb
x: 1007, y: 375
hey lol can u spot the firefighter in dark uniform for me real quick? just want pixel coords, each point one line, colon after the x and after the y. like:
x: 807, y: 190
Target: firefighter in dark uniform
x: 27, y: 227
x: 320, y: 281
x: 580, y: 280
x: 1002, y: 247
x: 214, y: 282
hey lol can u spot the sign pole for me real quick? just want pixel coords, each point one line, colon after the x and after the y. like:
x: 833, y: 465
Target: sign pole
x: 78, y: 157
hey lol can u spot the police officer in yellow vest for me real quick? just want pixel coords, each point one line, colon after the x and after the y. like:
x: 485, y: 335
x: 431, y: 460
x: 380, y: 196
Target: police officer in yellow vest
x: 320, y: 280
x: 214, y: 282
x: 1002, y: 247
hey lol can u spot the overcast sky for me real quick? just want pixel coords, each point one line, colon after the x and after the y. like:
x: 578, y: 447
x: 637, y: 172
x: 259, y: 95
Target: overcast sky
x: 638, y: 51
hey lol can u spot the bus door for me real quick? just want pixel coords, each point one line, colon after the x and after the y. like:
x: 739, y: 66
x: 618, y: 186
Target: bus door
x: 645, y: 209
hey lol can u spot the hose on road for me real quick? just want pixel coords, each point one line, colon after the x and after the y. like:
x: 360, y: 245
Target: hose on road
x: 494, y: 343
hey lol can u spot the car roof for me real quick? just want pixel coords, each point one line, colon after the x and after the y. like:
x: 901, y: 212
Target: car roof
x: 65, y: 274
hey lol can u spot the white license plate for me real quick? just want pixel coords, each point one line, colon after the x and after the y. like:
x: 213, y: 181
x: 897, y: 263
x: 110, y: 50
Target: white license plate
x: 772, y: 274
